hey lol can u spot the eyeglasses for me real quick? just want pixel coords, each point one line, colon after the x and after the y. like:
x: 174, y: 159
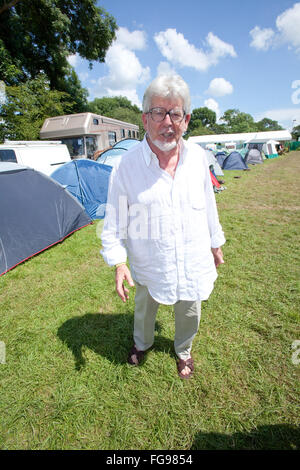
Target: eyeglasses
x: 159, y: 114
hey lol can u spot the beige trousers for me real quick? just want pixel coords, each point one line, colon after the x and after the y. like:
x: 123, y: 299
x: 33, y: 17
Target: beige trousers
x: 187, y: 319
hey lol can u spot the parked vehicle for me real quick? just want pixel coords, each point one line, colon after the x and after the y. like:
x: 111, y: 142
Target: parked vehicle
x: 44, y: 156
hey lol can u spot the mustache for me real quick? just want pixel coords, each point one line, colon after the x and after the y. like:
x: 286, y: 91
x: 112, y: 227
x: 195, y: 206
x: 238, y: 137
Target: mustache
x: 167, y: 131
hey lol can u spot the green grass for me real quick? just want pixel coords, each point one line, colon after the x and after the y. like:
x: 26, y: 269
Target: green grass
x: 65, y: 383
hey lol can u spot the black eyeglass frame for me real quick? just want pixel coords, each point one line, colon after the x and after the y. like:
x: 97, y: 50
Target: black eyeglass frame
x: 166, y: 112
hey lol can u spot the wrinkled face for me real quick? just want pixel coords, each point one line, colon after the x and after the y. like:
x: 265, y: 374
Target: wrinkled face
x: 166, y: 134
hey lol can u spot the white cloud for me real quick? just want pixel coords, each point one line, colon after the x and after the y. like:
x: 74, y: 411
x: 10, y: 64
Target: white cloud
x: 296, y: 94
x: 288, y: 31
x: 219, y: 87
x: 212, y: 104
x: 261, y: 38
x: 176, y: 49
x: 284, y: 117
x: 164, y: 68
x: 288, y: 24
x: 125, y: 71
x: 135, y: 40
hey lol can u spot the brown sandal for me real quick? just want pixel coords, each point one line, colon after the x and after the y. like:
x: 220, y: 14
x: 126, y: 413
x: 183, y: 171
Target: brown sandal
x: 181, y: 364
x: 135, y: 357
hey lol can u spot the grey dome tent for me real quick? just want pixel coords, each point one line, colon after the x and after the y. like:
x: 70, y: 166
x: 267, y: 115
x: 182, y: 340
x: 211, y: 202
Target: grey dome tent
x: 211, y: 159
x: 234, y: 161
x: 35, y: 213
x: 220, y: 156
x: 253, y: 156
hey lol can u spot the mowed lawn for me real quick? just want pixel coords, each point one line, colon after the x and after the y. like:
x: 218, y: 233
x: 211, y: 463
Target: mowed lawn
x: 65, y: 335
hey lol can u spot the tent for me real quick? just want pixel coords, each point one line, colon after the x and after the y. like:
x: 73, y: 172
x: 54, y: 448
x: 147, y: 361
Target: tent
x: 220, y: 156
x: 253, y: 156
x: 234, y: 161
x: 211, y: 159
x: 88, y: 182
x: 270, y: 148
x: 35, y: 213
x: 126, y: 143
x: 111, y: 156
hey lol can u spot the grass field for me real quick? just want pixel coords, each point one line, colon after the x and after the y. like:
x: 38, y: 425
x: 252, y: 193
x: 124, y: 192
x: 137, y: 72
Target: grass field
x: 65, y: 383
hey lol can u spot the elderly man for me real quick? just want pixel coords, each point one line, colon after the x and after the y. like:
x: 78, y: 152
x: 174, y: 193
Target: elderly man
x: 162, y: 217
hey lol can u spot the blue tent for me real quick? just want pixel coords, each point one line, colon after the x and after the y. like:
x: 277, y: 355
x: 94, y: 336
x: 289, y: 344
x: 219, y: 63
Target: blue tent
x: 88, y: 182
x: 234, y: 161
x: 111, y: 156
x: 126, y: 143
x: 220, y: 156
x: 35, y: 212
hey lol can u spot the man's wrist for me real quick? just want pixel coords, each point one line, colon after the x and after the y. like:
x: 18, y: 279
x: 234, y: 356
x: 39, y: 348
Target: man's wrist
x: 119, y: 264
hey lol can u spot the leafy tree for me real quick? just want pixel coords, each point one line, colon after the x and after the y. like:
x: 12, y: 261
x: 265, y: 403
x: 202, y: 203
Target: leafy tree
x: 78, y: 95
x: 38, y: 35
x: 267, y: 124
x: 27, y: 105
x: 237, y: 121
x: 201, y: 117
x: 200, y: 130
x: 107, y: 104
x: 118, y: 107
x: 296, y: 132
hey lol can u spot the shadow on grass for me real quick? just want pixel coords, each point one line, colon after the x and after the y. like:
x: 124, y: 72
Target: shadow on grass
x: 268, y: 437
x: 109, y: 335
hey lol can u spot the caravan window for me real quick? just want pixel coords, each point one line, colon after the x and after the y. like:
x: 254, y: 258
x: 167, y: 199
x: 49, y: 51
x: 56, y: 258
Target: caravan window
x: 112, y: 138
x: 75, y: 146
x: 8, y: 156
x: 91, y: 146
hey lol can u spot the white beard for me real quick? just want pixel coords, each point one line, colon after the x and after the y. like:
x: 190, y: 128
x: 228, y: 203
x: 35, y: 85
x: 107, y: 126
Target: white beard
x: 165, y: 146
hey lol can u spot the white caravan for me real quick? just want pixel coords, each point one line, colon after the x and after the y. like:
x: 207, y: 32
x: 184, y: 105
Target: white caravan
x: 44, y: 156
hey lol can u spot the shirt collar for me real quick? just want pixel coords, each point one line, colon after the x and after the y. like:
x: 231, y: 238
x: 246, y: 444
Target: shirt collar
x: 149, y: 155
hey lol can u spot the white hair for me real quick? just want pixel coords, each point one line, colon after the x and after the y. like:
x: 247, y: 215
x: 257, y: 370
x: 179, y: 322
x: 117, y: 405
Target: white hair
x: 167, y: 86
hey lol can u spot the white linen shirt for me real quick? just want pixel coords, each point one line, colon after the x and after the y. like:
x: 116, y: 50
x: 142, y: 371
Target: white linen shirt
x: 165, y: 226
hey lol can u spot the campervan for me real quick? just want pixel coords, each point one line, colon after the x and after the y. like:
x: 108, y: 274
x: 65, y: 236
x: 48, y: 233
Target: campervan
x: 44, y: 156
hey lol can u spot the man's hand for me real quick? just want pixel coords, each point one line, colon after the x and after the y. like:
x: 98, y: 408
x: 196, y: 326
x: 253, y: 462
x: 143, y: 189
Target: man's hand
x: 218, y: 256
x: 123, y: 274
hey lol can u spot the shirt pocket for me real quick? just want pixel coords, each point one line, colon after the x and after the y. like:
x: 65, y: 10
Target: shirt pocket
x: 194, y: 218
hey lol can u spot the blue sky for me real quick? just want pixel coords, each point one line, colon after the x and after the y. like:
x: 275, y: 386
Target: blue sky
x: 233, y: 54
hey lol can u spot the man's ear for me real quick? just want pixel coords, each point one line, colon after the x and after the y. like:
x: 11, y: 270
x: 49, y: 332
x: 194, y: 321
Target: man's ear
x: 145, y: 120
x: 187, y: 120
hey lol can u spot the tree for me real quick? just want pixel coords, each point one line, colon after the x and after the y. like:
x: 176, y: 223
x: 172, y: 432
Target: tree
x: 38, y: 35
x: 118, y: 107
x: 200, y: 130
x: 296, y: 132
x: 106, y: 105
x: 237, y: 121
x: 26, y: 106
x: 267, y: 124
x: 78, y: 95
x: 202, y: 117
